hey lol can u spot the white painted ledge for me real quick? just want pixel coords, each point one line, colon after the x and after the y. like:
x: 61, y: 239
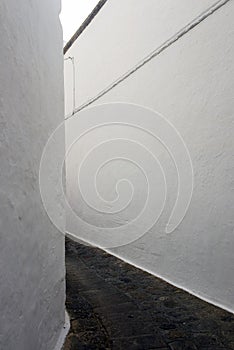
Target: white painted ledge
x: 64, y: 333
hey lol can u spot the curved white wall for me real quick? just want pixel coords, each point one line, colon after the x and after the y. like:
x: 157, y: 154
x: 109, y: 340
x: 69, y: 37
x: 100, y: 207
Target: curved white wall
x: 32, y: 270
x: 191, y: 83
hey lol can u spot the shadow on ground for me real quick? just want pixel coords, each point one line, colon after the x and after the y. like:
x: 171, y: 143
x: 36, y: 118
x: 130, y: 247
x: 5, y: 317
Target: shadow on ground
x: 113, y: 305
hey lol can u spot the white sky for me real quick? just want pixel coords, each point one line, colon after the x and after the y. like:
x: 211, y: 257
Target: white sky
x: 73, y: 14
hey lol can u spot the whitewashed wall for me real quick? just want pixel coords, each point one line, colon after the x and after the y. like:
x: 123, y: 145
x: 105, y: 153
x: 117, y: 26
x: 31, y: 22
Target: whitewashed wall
x: 31, y: 106
x: 190, y: 83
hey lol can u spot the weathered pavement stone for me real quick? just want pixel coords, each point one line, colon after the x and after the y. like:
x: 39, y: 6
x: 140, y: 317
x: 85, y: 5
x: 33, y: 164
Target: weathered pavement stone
x: 113, y: 305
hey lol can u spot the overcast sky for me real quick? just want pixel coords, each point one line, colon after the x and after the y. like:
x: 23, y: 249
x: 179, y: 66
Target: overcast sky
x: 74, y: 12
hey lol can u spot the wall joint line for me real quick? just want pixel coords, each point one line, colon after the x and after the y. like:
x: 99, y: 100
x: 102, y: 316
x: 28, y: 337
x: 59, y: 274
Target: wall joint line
x: 205, y: 14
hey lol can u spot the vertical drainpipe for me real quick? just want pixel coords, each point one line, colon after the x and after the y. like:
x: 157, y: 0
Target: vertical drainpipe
x: 74, y: 80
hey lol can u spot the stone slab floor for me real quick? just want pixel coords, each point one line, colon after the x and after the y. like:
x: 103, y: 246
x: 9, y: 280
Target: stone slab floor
x: 113, y: 305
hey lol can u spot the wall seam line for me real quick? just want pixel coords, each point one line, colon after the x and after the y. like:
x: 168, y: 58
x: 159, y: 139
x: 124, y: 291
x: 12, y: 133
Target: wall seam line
x: 195, y: 22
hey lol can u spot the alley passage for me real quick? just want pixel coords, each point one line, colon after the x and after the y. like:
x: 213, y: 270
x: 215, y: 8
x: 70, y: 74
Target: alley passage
x: 113, y: 305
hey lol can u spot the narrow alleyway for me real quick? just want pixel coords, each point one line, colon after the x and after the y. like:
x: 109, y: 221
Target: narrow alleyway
x: 113, y: 305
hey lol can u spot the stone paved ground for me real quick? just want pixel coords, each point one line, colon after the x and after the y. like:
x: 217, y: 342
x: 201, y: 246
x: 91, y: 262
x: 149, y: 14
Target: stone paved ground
x: 113, y: 305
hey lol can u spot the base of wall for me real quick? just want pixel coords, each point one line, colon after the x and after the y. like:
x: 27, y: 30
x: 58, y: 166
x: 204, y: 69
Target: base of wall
x: 64, y: 332
x: 204, y: 298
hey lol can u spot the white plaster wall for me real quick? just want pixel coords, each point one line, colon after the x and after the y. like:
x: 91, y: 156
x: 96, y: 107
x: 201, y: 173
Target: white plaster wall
x: 31, y: 106
x: 191, y: 84
x: 120, y: 36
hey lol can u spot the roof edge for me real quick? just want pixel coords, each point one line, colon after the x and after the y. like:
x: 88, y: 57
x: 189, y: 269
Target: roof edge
x: 84, y: 25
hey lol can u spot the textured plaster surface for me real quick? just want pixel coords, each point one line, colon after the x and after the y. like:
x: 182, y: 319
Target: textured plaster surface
x: 191, y: 84
x: 31, y: 106
x: 119, y: 37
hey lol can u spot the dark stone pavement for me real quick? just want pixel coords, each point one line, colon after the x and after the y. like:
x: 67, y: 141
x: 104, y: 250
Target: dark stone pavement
x: 113, y: 305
